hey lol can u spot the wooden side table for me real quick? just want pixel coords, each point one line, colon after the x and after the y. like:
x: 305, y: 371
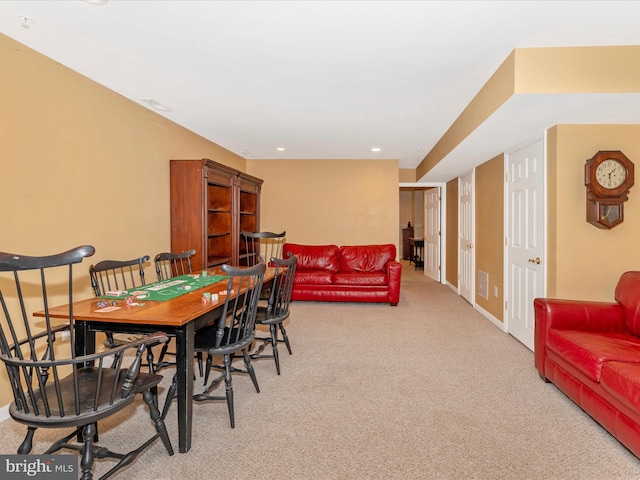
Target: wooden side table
x: 417, y: 251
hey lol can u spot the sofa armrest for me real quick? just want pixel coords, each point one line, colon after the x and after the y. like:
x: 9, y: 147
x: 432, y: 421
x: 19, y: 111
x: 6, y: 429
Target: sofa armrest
x: 393, y: 270
x: 572, y: 315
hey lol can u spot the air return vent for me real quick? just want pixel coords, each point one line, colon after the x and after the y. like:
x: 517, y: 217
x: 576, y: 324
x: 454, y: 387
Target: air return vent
x: 483, y: 284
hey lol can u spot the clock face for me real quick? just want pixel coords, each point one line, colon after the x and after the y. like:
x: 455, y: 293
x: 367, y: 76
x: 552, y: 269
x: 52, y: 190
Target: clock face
x: 611, y: 173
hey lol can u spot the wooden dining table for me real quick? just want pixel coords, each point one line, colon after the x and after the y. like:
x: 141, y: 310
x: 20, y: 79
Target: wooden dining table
x: 178, y: 317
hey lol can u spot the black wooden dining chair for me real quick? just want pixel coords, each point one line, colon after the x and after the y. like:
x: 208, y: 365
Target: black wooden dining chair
x: 52, y: 386
x: 232, y: 333
x: 169, y: 265
x: 111, y: 275
x: 261, y: 246
x: 277, y: 310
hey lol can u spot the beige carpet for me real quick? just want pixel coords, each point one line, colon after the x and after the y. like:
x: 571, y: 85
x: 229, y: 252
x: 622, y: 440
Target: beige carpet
x: 429, y: 389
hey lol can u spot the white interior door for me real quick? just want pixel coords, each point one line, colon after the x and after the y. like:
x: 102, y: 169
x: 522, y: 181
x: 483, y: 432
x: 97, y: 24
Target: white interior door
x: 432, y: 233
x: 525, y: 239
x: 466, y: 260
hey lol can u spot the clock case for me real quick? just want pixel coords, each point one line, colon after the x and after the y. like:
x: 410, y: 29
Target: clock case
x: 605, y: 206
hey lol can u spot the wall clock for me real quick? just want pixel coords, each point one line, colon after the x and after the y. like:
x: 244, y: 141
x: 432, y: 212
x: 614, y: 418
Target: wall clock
x: 609, y: 176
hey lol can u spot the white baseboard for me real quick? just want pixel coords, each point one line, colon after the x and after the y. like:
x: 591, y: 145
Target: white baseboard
x: 453, y: 287
x: 491, y: 318
x: 4, y: 413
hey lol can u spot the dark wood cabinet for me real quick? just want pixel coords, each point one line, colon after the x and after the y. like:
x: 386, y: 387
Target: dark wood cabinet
x: 211, y: 204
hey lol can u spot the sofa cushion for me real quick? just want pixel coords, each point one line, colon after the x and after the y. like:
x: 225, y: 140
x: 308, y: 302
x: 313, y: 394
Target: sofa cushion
x: 360, y: 278
x: 622, y: 381
x: 366, y: 258
x: 588, y: 351
x: 628, y: 295
x: 313, y: 257
x: 313, y: 277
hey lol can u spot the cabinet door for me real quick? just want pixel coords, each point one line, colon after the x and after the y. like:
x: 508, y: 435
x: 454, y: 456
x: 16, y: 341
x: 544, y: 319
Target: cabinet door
x: 248, y: 217
x: 187, y: 194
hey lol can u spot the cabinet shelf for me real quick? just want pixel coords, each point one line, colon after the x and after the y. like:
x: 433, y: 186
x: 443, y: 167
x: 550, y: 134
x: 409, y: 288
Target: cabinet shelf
x: 214, y: 261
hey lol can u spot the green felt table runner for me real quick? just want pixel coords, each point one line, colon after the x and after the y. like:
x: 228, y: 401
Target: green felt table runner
x: 168, y: 289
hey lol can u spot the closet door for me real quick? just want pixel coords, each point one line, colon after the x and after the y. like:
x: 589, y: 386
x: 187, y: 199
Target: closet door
x: 432, y: 233
x: 525, y: 226
x: 466, y: 237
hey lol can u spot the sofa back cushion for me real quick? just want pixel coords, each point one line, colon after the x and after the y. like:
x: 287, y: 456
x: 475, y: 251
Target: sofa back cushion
x: 313, y: 257
x: 366, y: 258
x: 628, y: 296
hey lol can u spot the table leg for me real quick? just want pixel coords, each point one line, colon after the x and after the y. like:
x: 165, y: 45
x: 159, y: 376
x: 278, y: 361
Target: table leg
x: 184, y: 378
x: 85, y: 344
x: 85, y: 339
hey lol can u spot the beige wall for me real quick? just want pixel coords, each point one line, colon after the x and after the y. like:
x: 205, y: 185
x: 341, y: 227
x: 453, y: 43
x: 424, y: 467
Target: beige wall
x: 412, y: 209
x: 584, y: 261
x: 406, y: 216
x: 406, y: 207
x: 611, y: 69
x: 341, y: 202
x: 407, y: 175
x: 489, y: 235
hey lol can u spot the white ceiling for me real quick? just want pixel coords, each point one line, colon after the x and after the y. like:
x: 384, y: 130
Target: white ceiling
x: 330, y: 79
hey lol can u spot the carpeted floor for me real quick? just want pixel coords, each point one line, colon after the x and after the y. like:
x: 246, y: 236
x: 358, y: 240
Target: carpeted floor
x: 429, y: 389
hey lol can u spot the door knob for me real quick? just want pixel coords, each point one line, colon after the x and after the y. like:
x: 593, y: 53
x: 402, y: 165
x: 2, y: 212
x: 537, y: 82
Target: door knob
x: 535, y: 260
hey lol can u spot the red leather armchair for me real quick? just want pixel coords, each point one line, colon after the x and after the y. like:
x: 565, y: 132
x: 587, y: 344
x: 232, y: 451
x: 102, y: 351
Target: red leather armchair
x: 591, y: 352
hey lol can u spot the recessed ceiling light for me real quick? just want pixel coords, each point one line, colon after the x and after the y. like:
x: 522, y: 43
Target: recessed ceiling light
x: 281, y: 149
x: 376, y: 149
x: 95, y: 2
x: 155, y: 104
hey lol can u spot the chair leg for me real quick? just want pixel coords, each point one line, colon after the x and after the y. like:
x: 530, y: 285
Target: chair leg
x: 152, y: 370
x: 87, y: 452
x: 163, y: 353
x: 150, y: 399
x: 27, y: 443
x: 207, y: 369
x: 199, y: 358
x: 229, y: 388
x: 274, y: 346
x: 285, y: 338
x: 250, y: 370
x: 109, y: 341
x: 171, y: 393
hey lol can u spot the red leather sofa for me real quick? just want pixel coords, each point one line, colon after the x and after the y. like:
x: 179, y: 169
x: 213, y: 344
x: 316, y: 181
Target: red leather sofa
x: 328, y: 273
x: 591, y: 352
